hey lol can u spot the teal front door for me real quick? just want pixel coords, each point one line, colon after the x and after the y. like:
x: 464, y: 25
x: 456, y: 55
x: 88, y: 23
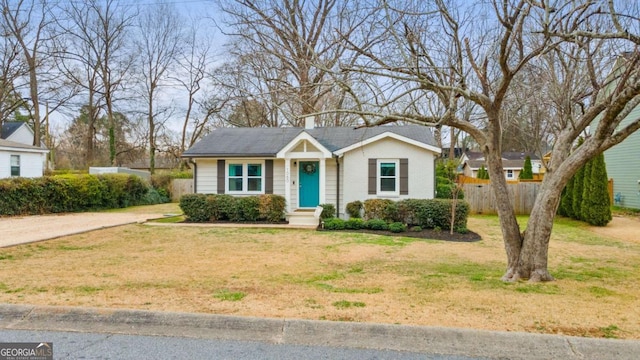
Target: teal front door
x: 309, y: 184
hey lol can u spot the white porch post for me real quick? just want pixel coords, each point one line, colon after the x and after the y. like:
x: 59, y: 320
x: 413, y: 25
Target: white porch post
x: 323, y: 180
x: 287, y: 183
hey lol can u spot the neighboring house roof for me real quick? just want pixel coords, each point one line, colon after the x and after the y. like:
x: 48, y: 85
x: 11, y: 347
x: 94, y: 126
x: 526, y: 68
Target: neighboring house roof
x: 267, y: 142
x: 9, y: 127
x: 474, y: 155
x: 12, y: 145
x: 517, y: 155
x: 506, y: 164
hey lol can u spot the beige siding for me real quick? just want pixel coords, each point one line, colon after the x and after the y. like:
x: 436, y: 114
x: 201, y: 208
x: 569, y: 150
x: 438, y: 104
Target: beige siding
x: 421, y: 170
x: 207, y: 181
x: 278, y: 177
x: 330, y: 182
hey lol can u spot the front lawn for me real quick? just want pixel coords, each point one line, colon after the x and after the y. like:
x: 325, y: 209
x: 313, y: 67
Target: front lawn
x: 335, y: 276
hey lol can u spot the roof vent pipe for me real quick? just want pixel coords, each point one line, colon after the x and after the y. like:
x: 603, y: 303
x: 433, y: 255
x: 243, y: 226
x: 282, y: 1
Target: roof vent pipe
x: 309, y: 122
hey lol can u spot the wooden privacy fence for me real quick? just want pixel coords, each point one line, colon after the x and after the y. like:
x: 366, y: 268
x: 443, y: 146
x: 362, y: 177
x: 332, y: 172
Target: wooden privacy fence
x: 521, y: 194
x: 181, y: 187
x: 482, y: 201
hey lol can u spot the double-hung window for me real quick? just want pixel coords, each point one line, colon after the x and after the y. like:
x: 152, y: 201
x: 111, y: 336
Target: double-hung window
x: 388, y: 177
x: 15, y: 165
x: 510, y: 175
x: 245, y: 178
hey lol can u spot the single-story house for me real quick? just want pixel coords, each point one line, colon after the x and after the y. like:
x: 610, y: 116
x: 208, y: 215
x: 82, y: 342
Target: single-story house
x: 311, y: 166
x: 512, y: 163
x: 18, y: 157
x: 21, y: 160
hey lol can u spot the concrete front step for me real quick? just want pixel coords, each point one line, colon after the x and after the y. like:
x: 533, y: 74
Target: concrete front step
x: 302, y: 218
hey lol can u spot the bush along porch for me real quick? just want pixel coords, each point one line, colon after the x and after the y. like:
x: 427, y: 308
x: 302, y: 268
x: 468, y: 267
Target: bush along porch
x: 400, y: 216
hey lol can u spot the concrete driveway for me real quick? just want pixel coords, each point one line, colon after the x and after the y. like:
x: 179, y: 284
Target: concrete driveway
x: 27, y: 229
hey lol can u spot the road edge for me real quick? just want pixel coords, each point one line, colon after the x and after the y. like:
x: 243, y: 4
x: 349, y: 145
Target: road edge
x: 420, y: 339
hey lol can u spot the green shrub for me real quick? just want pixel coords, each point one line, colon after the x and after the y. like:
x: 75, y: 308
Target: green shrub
x: 70, y: 193
x: 432, y: 213
x: 328, y: 211
x: 196, y: 208
x: 354, y: 209
x: 596, y: 201
x: 225, y: 206
x: 154, y: 196
x: 377, y: 208
x: 443, y: 180
x: 247, y: 209
x: 416, y: 228
x: 272, y: 207
x: 334, y: 224
x: 397, y: 227
x: 446, y: 190
x: 162, y: 182
x: 376, y: 224
x: 354, y: 224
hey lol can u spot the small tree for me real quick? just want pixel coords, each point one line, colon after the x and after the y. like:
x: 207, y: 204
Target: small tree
x: 483, y: 173
x: 527, y: 171
x: 576, y: 197
x: 566, y: 201
x: 596, y: 204
x: 583, y: 210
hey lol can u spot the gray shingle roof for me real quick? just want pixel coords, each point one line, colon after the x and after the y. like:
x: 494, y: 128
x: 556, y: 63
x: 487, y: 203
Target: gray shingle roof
x: 9, y: 127
x: 266, y: 142
x: 506, y: 164
x: 17, y: 145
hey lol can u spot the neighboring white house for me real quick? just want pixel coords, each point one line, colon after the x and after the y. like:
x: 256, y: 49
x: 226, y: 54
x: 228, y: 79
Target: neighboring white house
x: 311, y: 166
x: 512, y: 163
x: 18, y: 158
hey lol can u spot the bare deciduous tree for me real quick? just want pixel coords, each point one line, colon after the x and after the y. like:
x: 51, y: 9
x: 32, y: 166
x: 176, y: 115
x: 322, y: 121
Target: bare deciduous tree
x: 475, y: 53
x: 29, y: 24
x: 11, y: 68
x: 291, y: 47
x: 158, y: 41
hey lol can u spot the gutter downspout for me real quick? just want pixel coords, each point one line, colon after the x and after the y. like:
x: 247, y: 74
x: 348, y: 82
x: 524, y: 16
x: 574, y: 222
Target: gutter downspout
x: 337, y: 187
x: 195, y: 175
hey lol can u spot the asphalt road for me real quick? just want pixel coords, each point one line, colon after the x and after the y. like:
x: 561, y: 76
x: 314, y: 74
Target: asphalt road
x: 92, y: 333
x: 74, y: 345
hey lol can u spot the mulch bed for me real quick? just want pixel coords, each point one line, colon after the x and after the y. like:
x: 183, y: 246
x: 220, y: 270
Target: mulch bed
x: 430, y: 234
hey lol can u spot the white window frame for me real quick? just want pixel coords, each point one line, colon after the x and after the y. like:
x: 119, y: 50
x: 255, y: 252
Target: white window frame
x: 513, y: 173
x: 245, y: 176
x: 380, y: 192
x: 11, y: 166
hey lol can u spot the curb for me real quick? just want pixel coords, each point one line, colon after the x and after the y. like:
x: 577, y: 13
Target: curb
x: 420, y: 339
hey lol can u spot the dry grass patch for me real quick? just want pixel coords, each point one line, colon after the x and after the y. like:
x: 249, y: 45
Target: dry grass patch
x: 335, y: 276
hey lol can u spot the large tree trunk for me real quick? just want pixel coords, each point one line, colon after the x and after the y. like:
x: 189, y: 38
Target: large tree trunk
x: 508, y: 223
x: 534, y: 253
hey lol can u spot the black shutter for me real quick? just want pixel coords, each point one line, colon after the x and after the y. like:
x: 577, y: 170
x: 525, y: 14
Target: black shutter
x: 268, y: 176
x: 373, y: 174
x: 221, y: 176
x: 404, y: 176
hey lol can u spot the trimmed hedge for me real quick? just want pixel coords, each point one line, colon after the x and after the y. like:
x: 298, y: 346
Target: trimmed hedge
x: 72, y: 193
x: 377, y: 209
x: 426, y: 213
x: 213, y: 207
